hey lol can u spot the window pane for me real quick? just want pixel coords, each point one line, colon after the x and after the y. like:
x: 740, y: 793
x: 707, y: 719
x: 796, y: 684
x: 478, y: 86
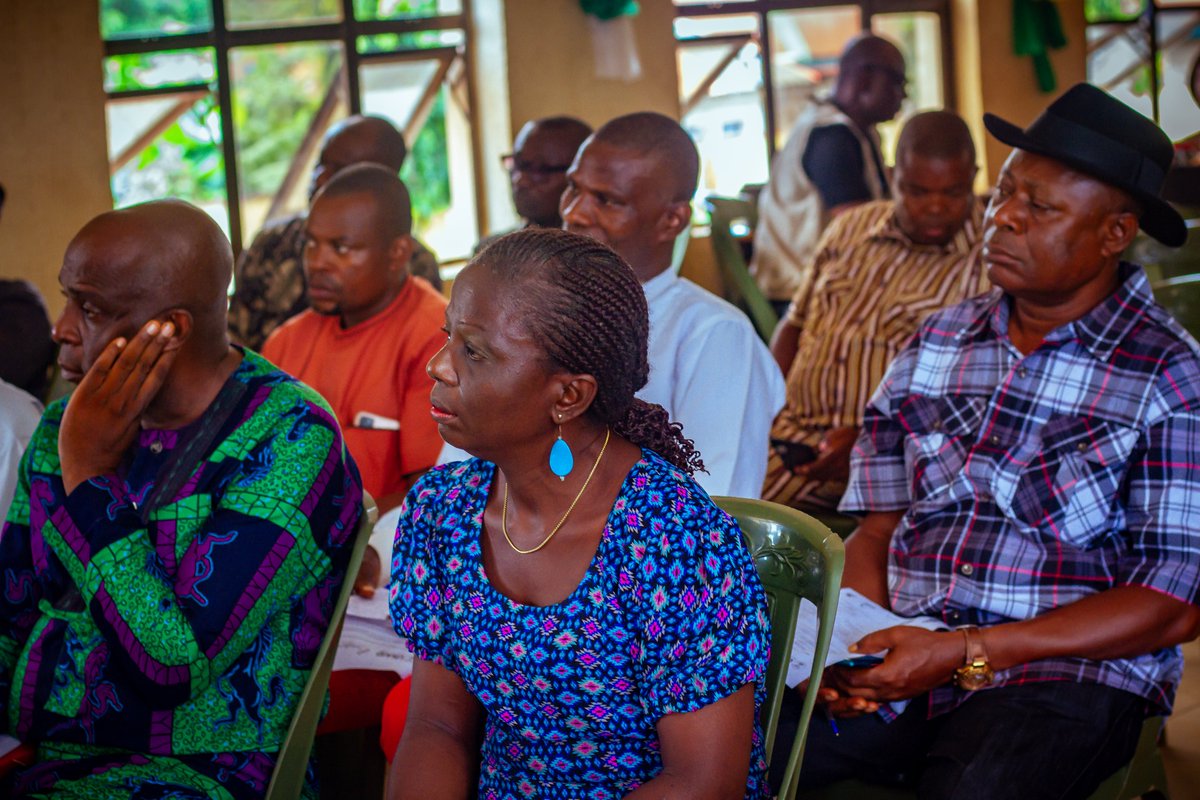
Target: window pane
x: 1117, y: 63
x: 277, y: 93
x: 1105, y: 10
x: 919, y: 35
x: 123, y: 19
x: 805, y: 46
x: 1179, y: 50
x: 405, y: 9
x: 439, y: 171
x: 152, y: 70
x: 276, y: 13
x: 420, y: 40
x: 720, y: 90
x: 694, y: 27
x: 168, y: 146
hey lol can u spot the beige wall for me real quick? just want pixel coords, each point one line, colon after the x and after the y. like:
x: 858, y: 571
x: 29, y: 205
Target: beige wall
x: 53, y: 147
x: 991, y: 78
x: 550, y: 64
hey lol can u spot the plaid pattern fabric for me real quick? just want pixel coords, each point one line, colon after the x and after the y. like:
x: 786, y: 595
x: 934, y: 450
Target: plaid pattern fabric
x: 1033, y: 481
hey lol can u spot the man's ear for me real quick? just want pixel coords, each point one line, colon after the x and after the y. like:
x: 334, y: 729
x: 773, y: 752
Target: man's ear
x: 1119, y: 229
x: 400, y: 252
x: 675, y: 218
x: 576, y: 395
x: 184, y: 324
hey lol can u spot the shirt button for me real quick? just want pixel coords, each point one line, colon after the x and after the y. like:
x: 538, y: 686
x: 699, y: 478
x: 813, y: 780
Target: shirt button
x: 1022, y: 372
x: 953, y: 616
x: 994, y: 439
x: 967, y: 569
x: 1082, y: 447
x: 156, y: 447
x: 936, y: 425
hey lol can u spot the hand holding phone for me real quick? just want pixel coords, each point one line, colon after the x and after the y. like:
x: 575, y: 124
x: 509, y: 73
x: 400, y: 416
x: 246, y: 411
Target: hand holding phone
x: 793, y: 454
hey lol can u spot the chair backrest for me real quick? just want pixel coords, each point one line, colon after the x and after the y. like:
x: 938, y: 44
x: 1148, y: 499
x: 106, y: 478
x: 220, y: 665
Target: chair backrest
x: 287, y: 781
x: 797, y: 558
x: 742, y: 291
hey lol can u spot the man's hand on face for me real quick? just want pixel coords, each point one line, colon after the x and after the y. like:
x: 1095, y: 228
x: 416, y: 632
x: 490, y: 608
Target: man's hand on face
x: 833, y: 456
x: 916, y: 661
x: 104, y: 413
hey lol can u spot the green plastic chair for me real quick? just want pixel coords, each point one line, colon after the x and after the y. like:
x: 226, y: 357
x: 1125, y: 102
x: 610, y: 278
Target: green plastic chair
x: 797, y: 558
x: 740, y: 288
x: 287, y: 781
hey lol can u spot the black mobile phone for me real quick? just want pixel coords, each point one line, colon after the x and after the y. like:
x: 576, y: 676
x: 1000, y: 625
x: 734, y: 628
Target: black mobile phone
x: 860, y: 662
x: 793, y: 454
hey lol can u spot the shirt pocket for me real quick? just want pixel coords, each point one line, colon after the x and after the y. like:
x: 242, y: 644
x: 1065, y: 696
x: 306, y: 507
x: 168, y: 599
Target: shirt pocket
x: 940, y: 432
x: 1070, y: 486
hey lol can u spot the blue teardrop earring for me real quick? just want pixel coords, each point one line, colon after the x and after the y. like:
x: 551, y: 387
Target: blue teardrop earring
x: 562, y: 460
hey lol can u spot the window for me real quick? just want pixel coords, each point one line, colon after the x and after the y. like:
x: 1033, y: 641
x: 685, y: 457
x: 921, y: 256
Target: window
x: 224, y: 103
x: 748, y: 69
x: 1145, y: 53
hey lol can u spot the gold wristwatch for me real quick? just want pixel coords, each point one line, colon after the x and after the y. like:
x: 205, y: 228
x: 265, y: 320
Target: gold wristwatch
x: 976, y: 672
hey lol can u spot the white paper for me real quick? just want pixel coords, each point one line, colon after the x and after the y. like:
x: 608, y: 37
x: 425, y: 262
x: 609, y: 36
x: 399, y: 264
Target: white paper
x: 372, y: 644
x: 8, y: 744
x: 856, y: 617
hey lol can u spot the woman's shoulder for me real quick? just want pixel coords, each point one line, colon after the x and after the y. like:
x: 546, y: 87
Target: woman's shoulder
x: 666, y: 508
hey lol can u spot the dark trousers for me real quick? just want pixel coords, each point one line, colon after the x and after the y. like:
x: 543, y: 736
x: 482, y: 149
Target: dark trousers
x: 1048, y: 740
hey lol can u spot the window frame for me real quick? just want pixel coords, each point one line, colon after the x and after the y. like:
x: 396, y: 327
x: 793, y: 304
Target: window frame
x: 1148, y: 22
x: 223, y: 40
x: 762, y: 9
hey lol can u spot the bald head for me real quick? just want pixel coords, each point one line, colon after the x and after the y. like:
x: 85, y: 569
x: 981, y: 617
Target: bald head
x: 871, y: 80
x: 936, y: 134
x: 658, y: 139
x: 358, y: 140
x: 161, y: 259
x: 385, y: 191
x: 168, y: 249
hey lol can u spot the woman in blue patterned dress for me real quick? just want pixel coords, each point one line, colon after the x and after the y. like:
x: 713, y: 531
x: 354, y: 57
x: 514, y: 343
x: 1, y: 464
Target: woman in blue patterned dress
x: 597, y: 635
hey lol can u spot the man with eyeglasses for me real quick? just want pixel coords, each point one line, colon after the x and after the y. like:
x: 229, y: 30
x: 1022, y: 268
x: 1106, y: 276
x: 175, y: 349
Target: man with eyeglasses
x: 537, y: 167
x: 831, y: 163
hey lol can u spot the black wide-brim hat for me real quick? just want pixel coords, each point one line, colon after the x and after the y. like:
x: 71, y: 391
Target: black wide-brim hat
x: 1092, y: 132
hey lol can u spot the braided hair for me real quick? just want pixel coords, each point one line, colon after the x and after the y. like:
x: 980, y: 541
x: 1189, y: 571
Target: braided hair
x: 584, y: 307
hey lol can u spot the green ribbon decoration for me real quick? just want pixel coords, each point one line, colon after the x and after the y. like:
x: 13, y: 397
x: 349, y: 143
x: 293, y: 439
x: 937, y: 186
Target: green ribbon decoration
x: 1038, y: 29
x: 609, y: 9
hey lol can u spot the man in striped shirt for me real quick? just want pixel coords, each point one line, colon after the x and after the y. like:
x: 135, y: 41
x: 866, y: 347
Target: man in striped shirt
x: 1030, y: 474
x: 879, y: 270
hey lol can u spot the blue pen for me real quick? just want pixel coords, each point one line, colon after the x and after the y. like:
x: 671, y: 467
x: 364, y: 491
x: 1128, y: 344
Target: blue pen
x: 833, y: 724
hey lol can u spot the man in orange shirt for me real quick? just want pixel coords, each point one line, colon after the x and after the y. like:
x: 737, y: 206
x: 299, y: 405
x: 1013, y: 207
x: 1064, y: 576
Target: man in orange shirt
x: 370, y: 331
x: 363, y: 345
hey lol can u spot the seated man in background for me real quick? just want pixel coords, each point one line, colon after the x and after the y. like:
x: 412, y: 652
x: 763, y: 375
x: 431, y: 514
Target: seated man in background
x: 879, y: 270
x: 631, y: 188
x: 542, y: 153
x: 269, y: 285
x: 831, y: 162
x: 364, y: 345
x: 180, y: 531
x: 1030, y: 475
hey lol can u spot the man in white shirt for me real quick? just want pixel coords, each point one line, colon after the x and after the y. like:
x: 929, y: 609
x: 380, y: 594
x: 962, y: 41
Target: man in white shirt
x: 630, y: 187
x: 19, y: 415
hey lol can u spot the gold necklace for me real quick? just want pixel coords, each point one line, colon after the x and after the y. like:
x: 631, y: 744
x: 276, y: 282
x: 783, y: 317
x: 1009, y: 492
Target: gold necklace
x: 570, y: 508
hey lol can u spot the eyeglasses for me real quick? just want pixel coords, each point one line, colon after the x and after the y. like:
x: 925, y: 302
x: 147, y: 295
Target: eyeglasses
x: 512, y: 164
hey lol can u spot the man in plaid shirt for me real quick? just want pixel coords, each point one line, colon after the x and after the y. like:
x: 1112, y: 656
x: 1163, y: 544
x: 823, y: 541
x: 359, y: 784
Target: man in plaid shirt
x: 1029, y: 470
